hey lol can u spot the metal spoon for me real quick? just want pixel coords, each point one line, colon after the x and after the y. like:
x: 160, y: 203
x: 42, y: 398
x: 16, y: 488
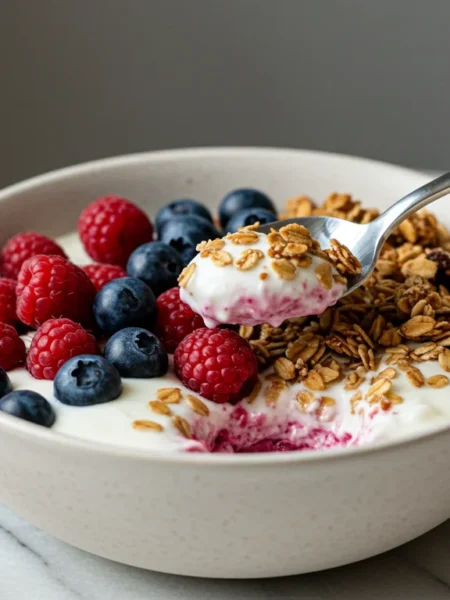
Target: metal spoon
x: 366, y: 241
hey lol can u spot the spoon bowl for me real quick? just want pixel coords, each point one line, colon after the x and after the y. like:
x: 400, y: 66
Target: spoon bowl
x: 366, y: 240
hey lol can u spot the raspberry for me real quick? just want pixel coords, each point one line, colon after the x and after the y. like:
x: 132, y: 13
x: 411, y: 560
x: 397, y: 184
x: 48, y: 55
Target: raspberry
x: 8, y: 301
x: 176, y: 319
x: 22, y: 247
x: 216, y: 363
x: 54, y: 343
x: 12, y: 348
x: 111, y: 228
x: 50, y: 287
x: 103, y: 274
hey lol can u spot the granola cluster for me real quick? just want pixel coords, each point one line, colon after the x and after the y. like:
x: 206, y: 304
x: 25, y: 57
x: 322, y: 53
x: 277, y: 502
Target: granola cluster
x: 401, y: 314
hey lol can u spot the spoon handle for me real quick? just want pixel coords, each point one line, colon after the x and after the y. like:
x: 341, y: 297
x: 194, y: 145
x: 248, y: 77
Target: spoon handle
x: 410, y: 204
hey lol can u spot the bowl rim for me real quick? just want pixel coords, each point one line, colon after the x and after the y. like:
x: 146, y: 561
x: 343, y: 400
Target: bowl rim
x: 47, y: 437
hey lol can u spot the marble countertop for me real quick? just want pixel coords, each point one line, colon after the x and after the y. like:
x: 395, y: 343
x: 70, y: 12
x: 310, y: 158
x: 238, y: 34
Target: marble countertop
x: 35, y: 566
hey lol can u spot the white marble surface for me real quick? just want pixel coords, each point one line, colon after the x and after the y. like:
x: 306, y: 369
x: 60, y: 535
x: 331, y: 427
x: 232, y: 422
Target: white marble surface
x: 34, y: 566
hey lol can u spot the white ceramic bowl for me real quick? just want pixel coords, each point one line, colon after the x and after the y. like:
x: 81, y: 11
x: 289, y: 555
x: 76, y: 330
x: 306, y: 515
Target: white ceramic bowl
x: 216, y: 515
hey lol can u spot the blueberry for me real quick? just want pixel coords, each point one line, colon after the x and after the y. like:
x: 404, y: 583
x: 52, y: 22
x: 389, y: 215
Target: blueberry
x: 248, y: 216
x: 87, y: 379
x: 125, y: 302
x: 178, y: 208
x: 156, y: 264
x: 240, y: 199
x: 184, y: 233
x: 136, y: 352
x: 5, y: 383
x: 30, y: 406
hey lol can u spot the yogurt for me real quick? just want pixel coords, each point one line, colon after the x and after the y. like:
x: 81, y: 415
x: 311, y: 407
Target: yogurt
x: 276, y: 417
x: 238, y: 280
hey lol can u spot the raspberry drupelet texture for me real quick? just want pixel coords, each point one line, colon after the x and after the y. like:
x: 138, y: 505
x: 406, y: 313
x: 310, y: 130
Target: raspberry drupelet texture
x: 12, y: 348
x: 23, y: 246
x: 51, y: 287
x: 100, y: 274
x: 54, y: 343
x: 176, y: 319
x: 111, y: 228
x: 8, y: 301
x: 217, y: 364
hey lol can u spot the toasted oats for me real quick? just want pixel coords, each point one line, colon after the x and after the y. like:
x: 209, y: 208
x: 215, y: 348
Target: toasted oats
x: 211, y: 245
x: 246, y: 331
x: 197, y: 405
x: 248, y: 259
x: 159, y: 407
x: 343, y: 259
x: 390, y: 337
x: 444, y: 360
x: 243, y: 238
x: 357, y: 397
x: 388, y: 373
x: 169, y: 395
x: 339, y: 279
x: 284, y: 368
x: 324, y: 275
x: 314, y: 381
x: 420, y: 266
x: 408, y: 231
x: 302, y: 262
x: 301, y: 206
x: 186, y: 275
x: 252, y: 227
x: 297, y: 234
x: 437, y: 381
x: 415, y: 376
x: 353, y: 381
x: 283, y: 268
x: 294, y: 250
x: 305, y: 399
x: 273, y: 390
x: 328, y: 374
x: 145, y: 425
x: 182, y: 425
x: 379, y: 387
x: 394, y: 398
x: 417, y: 327
x: 221, y: 258
x: 255, y: 391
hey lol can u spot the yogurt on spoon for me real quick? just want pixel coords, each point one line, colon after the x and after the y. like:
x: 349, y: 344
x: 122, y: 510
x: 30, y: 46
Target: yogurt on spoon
x: 248, y: 278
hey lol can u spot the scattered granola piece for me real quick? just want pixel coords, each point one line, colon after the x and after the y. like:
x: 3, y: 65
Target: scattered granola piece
x: 186, y: 275
x: 145, y: 425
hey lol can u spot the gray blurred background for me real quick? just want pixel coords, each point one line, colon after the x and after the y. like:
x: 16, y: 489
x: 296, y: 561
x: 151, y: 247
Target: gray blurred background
x: 83, y: 79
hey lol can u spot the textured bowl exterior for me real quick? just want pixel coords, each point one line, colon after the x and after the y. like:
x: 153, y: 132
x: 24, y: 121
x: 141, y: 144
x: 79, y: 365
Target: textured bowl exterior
x: 218, y: 516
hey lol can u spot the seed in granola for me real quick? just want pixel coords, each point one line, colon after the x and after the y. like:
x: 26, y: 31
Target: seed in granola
x: 248, y: 259
x: 283, y: 268
x: 169, y: 395
x: 324, y: 275
x: 145, y: 425
x: 284, y: 368
x: 444, y: 360
x: 437, y: 381
x: 182, y: 425
x: 197, y: 405
x: 221, y: 258
x: 159, y: 407
x: 243, y: 238
x: 263, y: 276
x: 417, y: 327
x: 186, y: 275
